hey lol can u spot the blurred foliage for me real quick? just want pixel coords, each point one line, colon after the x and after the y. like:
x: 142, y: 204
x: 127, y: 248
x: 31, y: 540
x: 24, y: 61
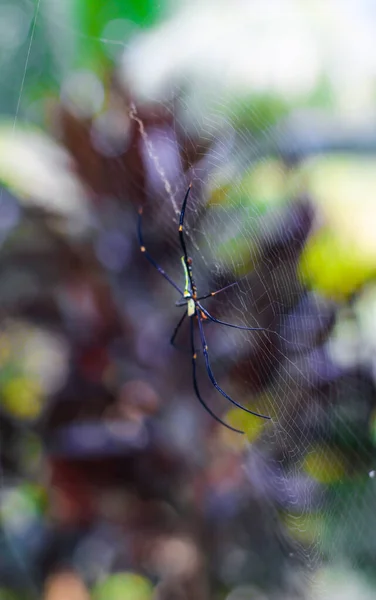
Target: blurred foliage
x: 340, y: 258
x: 258, y: 113
x: 44, y: 41
x: 124, y: 586
x: 113, y: 478
x: 105, y: 32
x: 335, y: 267
x: 325, y: 465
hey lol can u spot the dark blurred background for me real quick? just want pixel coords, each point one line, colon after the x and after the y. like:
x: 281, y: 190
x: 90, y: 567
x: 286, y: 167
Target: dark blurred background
x: 114, y: 481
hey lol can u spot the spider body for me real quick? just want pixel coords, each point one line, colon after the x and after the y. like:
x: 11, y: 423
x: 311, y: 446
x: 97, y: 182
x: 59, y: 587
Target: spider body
x: 196, y: 313
x: 189, y: 289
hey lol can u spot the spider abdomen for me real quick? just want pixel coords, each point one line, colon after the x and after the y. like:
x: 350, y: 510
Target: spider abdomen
x: 191, y: 307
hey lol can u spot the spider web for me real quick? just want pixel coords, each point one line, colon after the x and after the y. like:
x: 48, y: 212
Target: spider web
x: 234, y: 232
x: 267, y: 295
x: 297, y: 379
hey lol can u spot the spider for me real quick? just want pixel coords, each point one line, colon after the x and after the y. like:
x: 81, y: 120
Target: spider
x: 196, y: 313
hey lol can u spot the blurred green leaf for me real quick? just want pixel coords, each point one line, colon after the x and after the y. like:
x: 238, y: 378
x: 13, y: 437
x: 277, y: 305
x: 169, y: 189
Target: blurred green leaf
x: 8, y: 594
x: 325, y: 465
x: 105, y: 29
x: 123, y: 586
x: 334, y: 268
x: 340, y: 257
x: 258, y: 113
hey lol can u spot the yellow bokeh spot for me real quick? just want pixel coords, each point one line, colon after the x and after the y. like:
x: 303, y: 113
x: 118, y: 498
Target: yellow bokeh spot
x: 220, y: 195
x: 325, y: 465
x: 333, y: 267
x: 238, y: 418
x: 265, y: 183
x: 124, y: 586
x: 304, y: 528
x: 344, y: 187
x: 22, y: 397
x: 342, y: 257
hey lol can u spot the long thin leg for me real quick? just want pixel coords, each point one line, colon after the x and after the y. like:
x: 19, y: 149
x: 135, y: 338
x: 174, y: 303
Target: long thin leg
x: 209, y: 316
x: 172, y: 340
x: 214, y: 320
x: 212, y: 378
x: 150, y: 259
x: 206, y: 407
x: 176, y: 330
x: 181, y: 224
x: 223, y: 289
x: 218, y: 291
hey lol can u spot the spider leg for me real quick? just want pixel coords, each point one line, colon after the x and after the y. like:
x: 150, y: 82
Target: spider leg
x: 218, y: 291
x: 175, y: 332
x: 214, y: 320
x: 223, y: 288
x: 281, y: 337
x: 211, y: 376
x: 181, y: 225
x: 150, y: 258
x: 197, y: 392
x: 182, y: 302
x: 211, y: 318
